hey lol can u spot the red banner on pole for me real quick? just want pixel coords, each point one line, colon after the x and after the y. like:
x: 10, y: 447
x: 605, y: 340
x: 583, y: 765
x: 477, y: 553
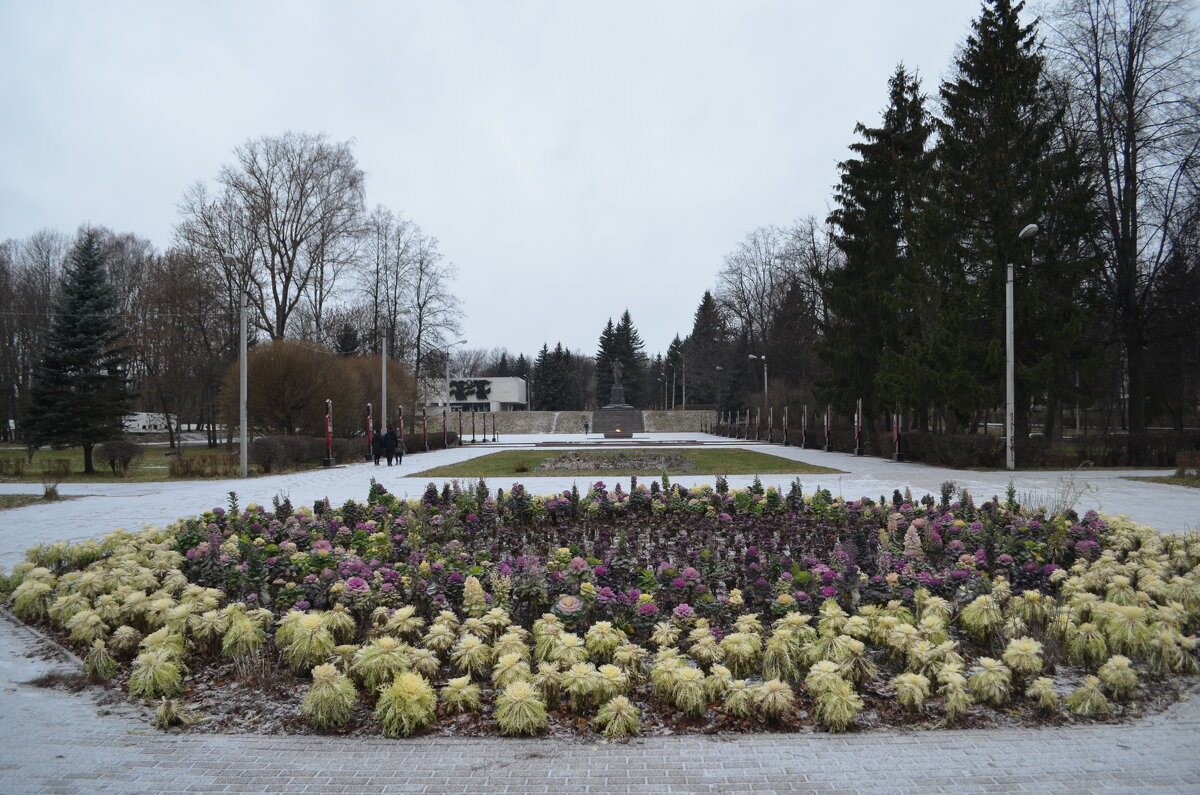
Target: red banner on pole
x: 328, y: 432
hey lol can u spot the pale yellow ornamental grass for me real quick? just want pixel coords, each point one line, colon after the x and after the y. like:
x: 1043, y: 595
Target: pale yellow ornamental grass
x: 331, y: 699
x: 472, y: 656
x: 982, y: 618
x: 548, y: 680
x: 774, y: 699
x: 460, y: 695
x: 439, y: 638
x: 578, y: 682
x: 742, y: 651
x: 305, y: 643
x: 424, y: 662
x: 156, y: 674
x: 1024, y: 657
x: 911, y: 690
x: 1086, y: 645
x: 837, y: 705
x: 1118, y: 677
x: 716, y: 684
x: 1088, y: 699
x: 822, y: 676
x: 508, y: 669
x: 618, y: 717
x: 739, y: 699
x: 602, y: 639
x: 404, y: 623
x: 99, y: 665
x: 406, y: 706
x: 990, y: 681
x: 687, y: 691
x: 1043, y: 693
x: 610, y: 681
x: 378, y: 663
x: 706, y: 651
x: 520, y: 711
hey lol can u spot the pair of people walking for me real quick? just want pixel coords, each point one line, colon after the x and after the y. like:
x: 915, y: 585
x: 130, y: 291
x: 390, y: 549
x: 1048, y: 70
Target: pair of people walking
x: 388, y: 445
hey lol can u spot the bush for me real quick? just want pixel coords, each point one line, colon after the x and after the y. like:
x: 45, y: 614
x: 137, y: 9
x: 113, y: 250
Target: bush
x: 119, y: 454
x: 1186, y: 463
x: 217, y: 465
x: 268, y: 454
x: 415, y: 442
x: 953, y: 450
x: 12, y: 466
x: 56, y: 468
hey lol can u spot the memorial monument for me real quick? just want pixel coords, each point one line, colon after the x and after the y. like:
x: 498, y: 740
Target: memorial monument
x: 618, y: 419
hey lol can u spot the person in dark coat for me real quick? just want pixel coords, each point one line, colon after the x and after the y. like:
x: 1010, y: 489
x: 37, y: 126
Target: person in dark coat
x: 377, y: 447
x: 390, y: 443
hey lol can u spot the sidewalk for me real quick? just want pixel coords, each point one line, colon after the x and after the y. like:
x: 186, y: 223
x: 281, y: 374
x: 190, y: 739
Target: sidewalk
x: 52, y: 741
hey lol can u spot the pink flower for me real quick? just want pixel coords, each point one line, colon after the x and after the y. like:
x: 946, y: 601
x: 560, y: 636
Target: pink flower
x: 684, y: 611
x: 357, y: 585
x: 569, y: 605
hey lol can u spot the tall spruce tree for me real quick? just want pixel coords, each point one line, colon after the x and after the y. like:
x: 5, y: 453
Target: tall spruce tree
x: 1004, y: 160
x: 882, y: 192
x: 629, y: 349
x: 605, y: 353
x: 706, y: 350
x: 80, y: 394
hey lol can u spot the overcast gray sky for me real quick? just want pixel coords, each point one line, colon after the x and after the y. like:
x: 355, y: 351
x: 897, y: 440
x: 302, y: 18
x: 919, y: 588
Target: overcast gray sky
x: 573, y: 159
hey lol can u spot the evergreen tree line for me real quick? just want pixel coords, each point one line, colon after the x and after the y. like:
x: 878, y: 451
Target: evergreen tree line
x: 898, y: 297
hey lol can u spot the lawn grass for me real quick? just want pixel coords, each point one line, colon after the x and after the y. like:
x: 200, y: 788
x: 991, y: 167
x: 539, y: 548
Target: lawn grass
x: 1191, y: 481
x: 18, y: 500
x: 707, y: 462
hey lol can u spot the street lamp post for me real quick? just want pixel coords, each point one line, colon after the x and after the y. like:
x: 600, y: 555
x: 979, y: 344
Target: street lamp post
x: 1010, y: 443
x: 383, y: 368
x: 683, y: 367
x: 447, y: 349
x: 764, y: 361
x: 243, y: 453
x: 672, y: 384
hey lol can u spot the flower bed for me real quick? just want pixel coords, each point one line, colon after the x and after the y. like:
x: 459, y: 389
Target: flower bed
x: 618, y: 611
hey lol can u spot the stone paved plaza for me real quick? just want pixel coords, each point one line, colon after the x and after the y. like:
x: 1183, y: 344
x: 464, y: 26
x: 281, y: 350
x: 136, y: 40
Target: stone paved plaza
x: 56, y: 741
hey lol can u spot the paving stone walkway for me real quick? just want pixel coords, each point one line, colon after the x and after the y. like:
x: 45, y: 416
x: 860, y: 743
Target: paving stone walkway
x: 56, y: 741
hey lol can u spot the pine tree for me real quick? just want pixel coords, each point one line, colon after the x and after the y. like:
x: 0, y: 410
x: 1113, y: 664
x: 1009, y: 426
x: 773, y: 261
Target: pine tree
x: 1005, y: 160
x: 347, y: 343
x: 604, y: 358
x: 80, y: 395
x: 706, y: 348
x: 539, y: 380
x: 880, y: 196
x: 629, y: 349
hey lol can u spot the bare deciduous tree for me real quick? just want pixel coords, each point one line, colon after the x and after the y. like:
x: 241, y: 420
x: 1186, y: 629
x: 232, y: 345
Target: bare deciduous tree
x: 1132, y: 66
x: 289, y: 213
x: 752, y: 282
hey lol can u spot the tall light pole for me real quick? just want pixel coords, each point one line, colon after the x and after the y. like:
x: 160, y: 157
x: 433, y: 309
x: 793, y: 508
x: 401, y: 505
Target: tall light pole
x: 383, y: 359
x: 1010, y: 443
x: 683, y: 367
x: 243, y: 457
x: 447, y: 349
x: 672, y: 385
x: 764, y: 361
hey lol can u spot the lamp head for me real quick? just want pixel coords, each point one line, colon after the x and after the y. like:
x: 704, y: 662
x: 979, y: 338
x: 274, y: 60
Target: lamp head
x: 1027, y: 232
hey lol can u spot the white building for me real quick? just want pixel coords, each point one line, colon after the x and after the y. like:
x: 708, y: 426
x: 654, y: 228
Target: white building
x: 468, y: 393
